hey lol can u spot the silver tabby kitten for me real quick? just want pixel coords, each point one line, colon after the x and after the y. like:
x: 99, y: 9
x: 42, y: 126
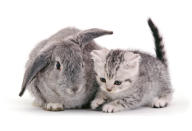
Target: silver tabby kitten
x: 130, y: 79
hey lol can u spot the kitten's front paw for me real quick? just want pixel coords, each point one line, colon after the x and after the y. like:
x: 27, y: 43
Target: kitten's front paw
x: 96, y: 103
x: 54, y: 107
x: 110, y: 108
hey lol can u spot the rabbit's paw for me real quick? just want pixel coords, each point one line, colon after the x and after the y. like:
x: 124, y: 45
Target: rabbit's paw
x: 110, y: 108
x: 96, y: 103
x: 54, y: 107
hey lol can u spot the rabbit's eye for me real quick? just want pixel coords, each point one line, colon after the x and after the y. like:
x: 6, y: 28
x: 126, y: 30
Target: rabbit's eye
x: 58, y: 66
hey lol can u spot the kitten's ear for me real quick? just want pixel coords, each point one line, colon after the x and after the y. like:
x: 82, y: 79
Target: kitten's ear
x: 99, y: 55
x: 132, y: 60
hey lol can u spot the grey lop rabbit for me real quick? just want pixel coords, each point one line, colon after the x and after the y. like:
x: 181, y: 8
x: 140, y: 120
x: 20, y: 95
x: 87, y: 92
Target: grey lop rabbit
x: 59, y: 72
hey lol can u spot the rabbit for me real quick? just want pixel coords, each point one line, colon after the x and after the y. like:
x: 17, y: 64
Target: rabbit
x: 59, y: 72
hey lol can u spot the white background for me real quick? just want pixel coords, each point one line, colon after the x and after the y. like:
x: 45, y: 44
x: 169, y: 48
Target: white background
x: 24, y: 23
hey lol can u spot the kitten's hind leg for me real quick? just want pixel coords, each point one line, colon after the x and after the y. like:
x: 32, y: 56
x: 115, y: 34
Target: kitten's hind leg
x: 163, y: 97
x: 160, y: 102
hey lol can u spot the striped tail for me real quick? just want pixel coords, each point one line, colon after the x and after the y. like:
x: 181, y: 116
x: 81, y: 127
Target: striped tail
x: 159, y: 45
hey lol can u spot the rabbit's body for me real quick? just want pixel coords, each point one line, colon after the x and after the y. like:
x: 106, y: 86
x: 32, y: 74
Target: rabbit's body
x: 73, y: 84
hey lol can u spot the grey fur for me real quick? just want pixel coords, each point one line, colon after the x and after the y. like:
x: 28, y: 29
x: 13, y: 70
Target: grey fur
x: 73, y: 85
x: 113, y: 61
x: 150, y: 85
x: 159, y: 45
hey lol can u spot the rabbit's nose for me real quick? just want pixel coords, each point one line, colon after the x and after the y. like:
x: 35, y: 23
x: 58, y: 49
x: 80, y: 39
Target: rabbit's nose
x: 74, y: 89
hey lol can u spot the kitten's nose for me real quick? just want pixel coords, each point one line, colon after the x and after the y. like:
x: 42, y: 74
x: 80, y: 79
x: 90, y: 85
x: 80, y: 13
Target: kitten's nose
x: 108, y: 89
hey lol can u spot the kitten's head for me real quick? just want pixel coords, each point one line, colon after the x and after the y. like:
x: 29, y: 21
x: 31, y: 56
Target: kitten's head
x: 116, y: 69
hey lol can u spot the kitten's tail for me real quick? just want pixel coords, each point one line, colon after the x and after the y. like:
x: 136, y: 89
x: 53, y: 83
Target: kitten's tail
x: 159, y: 45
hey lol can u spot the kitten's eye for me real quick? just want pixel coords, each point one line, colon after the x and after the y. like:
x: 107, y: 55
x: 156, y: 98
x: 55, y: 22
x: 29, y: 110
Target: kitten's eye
x: 102, y: 79
x: 117, y: 83
x: 58, y: 66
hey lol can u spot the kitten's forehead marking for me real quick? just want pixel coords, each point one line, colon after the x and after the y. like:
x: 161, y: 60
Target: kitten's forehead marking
x: 113, y: 61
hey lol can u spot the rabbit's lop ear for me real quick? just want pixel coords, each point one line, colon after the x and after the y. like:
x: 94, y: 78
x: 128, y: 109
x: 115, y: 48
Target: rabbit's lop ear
x: 38, y: 64
x: 83, y: 37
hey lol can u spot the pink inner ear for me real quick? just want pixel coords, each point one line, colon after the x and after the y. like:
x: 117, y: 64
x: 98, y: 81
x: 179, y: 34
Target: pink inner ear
x: 132, y: 65
x: 99, y: 55
x: 134, y: 57
x: 132, y: 61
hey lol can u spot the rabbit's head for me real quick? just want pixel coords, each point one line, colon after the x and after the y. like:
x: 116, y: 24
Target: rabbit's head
x: 63, y: 62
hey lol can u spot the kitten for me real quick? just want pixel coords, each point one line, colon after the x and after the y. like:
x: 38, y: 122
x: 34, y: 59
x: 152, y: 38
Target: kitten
x: 131, y: 79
